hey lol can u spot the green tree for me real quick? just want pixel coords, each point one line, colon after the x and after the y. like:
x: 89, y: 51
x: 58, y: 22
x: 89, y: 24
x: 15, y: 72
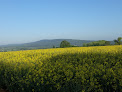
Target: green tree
x: 64, y: 44
x: 118, y: 41
x: 54, y: 46
x: 84, y: 45
x: 107, y: 42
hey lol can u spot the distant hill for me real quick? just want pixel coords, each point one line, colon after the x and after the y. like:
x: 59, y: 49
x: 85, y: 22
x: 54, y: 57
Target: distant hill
x: 54, y: 42
x: 43, y: 44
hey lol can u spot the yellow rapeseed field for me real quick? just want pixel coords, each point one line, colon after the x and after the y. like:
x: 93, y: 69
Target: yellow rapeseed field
x: 31, y: 56
x: 52, y: 69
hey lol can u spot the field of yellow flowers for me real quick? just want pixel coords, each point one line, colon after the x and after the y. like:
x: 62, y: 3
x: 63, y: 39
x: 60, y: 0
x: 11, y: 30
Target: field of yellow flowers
x: 76, y: 69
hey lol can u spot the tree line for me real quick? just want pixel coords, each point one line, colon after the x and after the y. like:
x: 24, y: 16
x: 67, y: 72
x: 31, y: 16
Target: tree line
x: 117, y: 41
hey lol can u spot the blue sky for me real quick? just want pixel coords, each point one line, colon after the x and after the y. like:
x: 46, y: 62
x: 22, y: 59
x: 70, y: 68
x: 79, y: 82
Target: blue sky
x: 24, y: 21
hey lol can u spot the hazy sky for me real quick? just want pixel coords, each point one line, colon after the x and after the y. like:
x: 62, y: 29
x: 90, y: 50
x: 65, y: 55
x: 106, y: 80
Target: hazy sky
x: 32, y: 20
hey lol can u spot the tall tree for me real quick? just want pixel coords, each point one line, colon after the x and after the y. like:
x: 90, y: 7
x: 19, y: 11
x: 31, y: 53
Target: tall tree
x: 118, y: 41
x: 64, y: 44
x: 53, y: 46
x: 107, y: 42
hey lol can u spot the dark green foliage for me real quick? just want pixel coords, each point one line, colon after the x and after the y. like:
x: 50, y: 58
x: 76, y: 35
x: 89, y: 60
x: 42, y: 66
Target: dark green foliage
x: 97, y: 43
x: 54, y: 46
x: 118, y: 41
x: 64, y: 44
x: 107, y: 43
